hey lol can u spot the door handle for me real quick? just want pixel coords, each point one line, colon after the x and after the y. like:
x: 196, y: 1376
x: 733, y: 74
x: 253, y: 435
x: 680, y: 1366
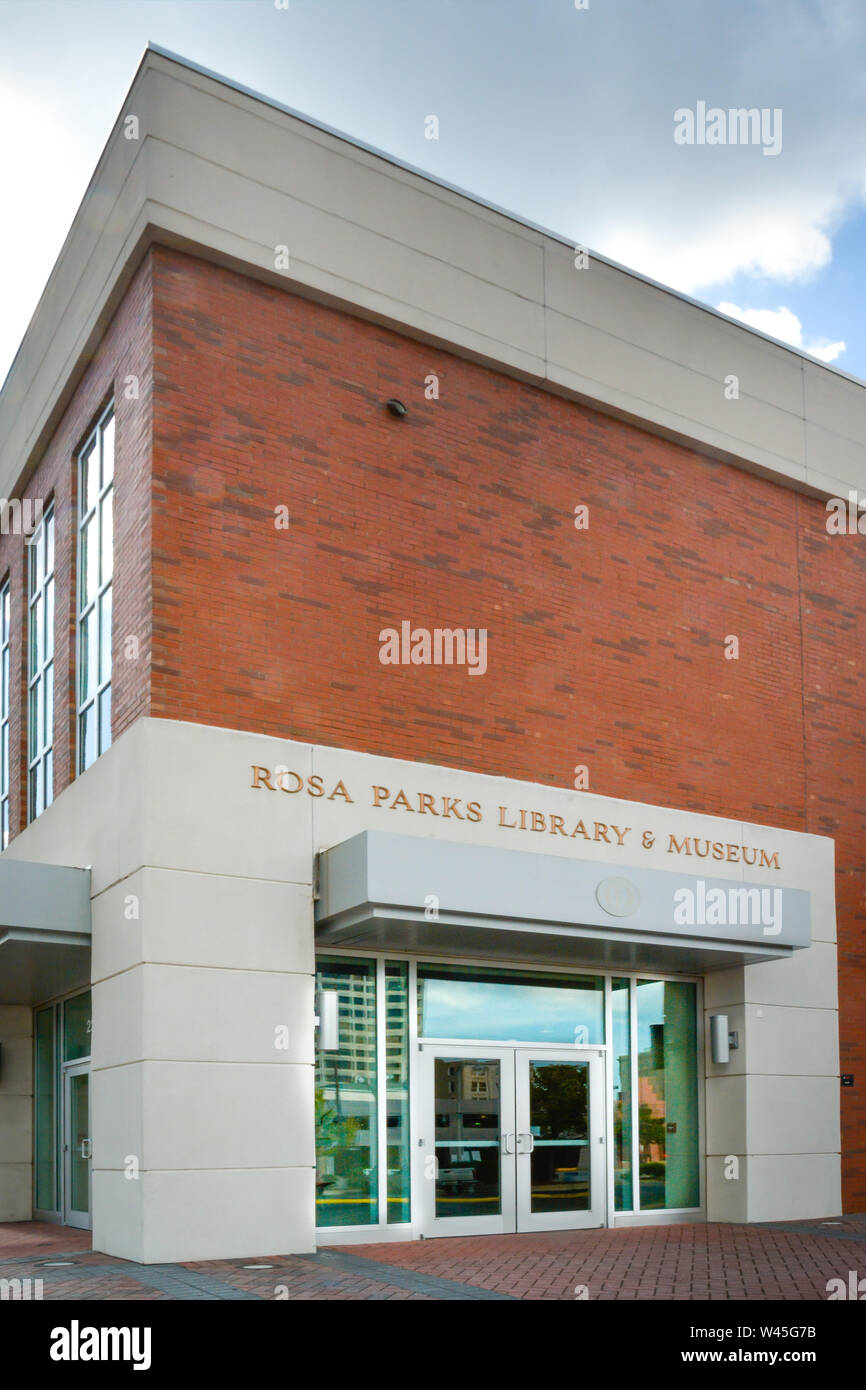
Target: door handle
x: 531, y: 1139
x: 86, y: 1148
x: 507, y: 1147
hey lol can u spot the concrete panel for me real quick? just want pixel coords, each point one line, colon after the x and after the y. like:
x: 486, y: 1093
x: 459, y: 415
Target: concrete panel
x: 830, y: 404
x: 727, y: 1102
x: 727, y: 1197
x: 117, y: 1119
x: 203, y: 919
x: 725, y: 988
x: 793, y: 1115
x: 118, y: 1029
x: 16, y: 1113
x: 94, y: 821
x: 118, y: 1214
x: 178, y: 1115
x: 212, y: 1115
x: 608, y: 299
x: 16, y: 1065
x: 689, y: 397
x: 295, y: 159
x: 205, y: 1215
x: 181, y: 1013
x: 230, y: 923
x: 830, y: 453
x: 201, y: 814
x: 16, y: 1191
x: 16, y: 1130
x: 16, y: 1021
x: 226, y: 1015
x: 804, y: 979
x: 117, y: 927
x: 795, y: 1187
x: 801, y: 1042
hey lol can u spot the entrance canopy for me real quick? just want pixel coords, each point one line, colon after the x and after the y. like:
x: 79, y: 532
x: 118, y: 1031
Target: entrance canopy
x: 400, y: 892
x: 44, y: 930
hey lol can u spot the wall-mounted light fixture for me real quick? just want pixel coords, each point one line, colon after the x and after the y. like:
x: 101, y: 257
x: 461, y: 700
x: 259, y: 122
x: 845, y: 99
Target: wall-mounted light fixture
x: 722, y: 1039
x: 327, y: 1020
x: 397, y: 408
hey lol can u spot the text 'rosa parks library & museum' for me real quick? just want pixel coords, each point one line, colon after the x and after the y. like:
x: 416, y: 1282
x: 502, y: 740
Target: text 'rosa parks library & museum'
x: 433, y: 767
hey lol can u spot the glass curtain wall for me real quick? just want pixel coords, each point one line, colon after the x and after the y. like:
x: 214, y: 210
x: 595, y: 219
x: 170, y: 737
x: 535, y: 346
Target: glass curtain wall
x: 363, y: 1154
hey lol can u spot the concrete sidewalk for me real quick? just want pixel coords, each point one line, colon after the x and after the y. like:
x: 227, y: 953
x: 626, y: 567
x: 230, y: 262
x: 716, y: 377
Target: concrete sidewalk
x: 784, y: 1261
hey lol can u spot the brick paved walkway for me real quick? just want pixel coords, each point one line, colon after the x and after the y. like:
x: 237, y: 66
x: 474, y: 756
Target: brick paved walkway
x: 776, y: 1262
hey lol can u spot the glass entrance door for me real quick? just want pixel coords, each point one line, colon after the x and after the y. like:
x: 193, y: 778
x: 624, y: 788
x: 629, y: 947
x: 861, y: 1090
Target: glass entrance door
x: 468, y: 1140
x: 560, y: 1140
x: 77, y: 1146
x: 510, y: 1139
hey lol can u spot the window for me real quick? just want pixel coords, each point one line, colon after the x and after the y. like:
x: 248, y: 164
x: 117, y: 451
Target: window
x: 667, y: 1116
x: 95, y: 574
x: 347, y: 1171
x: 456, y: 1001
x: 40, y: 667
x: 4, y: 715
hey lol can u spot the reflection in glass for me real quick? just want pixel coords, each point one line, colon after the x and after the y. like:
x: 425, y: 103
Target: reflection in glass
x: 559, y: 1125
x: 397, y: 1087
x: 621, y: 1067
x: 509, y: 1005
x: 467, y: 1133
x: 668, y: 1094
x: 76, y: 1027
x: 346, y: 1114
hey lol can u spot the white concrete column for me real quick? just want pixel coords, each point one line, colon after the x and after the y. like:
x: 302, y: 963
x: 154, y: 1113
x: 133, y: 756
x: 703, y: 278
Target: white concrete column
x: 773, y: 1128
x: 203, y: 969
x: 16, y: 1112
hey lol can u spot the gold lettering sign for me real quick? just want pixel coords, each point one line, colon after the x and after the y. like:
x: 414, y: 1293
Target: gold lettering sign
x: 513, y: 818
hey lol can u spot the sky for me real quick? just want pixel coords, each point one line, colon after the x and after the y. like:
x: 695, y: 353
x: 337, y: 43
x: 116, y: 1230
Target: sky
x: 583, y: 116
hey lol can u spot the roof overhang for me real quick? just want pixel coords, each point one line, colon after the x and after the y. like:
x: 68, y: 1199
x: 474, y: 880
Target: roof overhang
x: 394, y: 892
x: 45, y: 930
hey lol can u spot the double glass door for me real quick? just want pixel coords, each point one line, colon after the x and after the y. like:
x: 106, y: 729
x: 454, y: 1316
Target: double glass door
x: 511, y: 1139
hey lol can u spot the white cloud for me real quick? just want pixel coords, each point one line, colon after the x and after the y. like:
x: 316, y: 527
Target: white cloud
x: 783, y: 324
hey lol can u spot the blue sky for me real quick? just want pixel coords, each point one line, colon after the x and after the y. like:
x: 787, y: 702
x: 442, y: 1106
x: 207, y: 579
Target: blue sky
x: 563, y: 115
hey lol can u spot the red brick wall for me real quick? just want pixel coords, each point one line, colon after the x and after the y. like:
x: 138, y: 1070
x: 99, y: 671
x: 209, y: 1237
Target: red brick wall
x: 606, y: 646
x: 124, y: 351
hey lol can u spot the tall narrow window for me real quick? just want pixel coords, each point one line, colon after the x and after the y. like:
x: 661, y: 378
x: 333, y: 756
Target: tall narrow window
x: 40, y: 667
x: 668, y: 1094
x: 95, y: 573
x: 4, y: 715
x: 347, y: 1163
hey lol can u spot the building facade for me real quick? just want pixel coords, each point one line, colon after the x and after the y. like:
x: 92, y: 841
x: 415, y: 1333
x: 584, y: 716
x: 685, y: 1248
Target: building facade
x: 525, y: 721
